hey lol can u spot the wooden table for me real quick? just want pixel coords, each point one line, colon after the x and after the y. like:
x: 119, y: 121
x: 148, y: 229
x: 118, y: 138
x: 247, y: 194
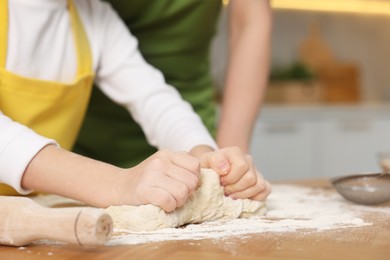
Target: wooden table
x: 366, y: 242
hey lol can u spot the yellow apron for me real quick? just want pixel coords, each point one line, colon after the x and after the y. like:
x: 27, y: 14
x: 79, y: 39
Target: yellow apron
x: 52, y: 109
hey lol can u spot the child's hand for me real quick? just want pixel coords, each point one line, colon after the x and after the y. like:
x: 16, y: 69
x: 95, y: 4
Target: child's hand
x: 238, y: 174
x: 166, y: 179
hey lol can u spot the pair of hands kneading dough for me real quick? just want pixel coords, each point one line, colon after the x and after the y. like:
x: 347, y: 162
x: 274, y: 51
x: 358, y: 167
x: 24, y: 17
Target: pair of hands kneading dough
x: 208, y: 203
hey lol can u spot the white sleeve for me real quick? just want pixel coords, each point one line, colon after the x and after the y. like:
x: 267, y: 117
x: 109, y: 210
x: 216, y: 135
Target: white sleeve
x: 167, y: 120
x: 18, y: 146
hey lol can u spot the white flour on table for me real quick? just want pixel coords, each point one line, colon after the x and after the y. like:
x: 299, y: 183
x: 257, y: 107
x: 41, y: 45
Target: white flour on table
x: 290, y: 208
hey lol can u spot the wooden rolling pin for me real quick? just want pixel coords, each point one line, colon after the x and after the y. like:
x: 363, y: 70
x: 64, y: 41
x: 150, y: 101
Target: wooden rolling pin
x: 23, y: 221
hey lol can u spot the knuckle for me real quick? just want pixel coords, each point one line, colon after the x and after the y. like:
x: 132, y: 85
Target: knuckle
x: 192, y: 184
x: 170, y: 207
x: 155, y: 163
x: 181, y: 195
x: 242, y: 166
x: 166, y: 202
x: 194, y: 164
x: 260, y: 186
x: 263, y: 194
x: 230, y: 189
x: 251, y: 179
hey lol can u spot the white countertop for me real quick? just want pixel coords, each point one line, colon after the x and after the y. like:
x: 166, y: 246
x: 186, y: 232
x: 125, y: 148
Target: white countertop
x: 360, y: 110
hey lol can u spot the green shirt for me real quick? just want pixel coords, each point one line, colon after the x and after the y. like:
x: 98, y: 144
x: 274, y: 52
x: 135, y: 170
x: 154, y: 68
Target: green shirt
x: 175, y: 37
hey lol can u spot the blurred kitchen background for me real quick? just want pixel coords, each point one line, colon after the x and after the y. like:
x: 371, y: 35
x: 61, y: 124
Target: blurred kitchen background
x: 327, y: 108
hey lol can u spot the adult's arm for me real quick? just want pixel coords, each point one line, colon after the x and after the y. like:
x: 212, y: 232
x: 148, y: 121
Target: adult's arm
x: 250, y: 23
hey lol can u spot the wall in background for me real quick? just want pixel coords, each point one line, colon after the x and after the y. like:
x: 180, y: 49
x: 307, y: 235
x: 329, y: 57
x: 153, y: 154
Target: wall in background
x: 358, y: 38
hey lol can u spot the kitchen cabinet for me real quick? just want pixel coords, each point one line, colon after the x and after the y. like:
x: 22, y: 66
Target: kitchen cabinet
x: 292, y: 142
x: 352, y: 145
x: 282, y: 149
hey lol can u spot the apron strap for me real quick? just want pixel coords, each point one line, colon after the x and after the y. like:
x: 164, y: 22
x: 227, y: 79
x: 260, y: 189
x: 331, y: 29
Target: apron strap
x: 84, y: 57
x: 3, y: 32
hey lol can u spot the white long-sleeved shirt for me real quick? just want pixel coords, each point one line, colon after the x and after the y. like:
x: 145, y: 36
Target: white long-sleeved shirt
x: 40, y: 45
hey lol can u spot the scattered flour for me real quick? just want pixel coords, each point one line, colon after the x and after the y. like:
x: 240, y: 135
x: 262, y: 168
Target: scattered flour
x: 290, y: 208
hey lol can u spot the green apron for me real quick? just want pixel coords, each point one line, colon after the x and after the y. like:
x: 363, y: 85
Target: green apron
x: 175, y: 37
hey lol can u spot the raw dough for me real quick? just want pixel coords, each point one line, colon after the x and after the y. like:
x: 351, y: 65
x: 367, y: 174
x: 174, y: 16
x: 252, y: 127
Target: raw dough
x: 208, y: 203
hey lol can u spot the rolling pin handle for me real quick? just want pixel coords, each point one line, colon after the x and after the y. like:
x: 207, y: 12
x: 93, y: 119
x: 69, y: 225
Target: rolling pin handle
x: 92, y: 227
x: 23, y: 221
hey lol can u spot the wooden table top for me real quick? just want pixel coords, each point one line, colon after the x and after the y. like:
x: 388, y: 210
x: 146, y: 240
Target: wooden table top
x: 365, y: 242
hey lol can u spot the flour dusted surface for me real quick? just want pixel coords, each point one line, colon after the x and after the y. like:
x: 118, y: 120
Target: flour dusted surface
x: 289, y: 208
